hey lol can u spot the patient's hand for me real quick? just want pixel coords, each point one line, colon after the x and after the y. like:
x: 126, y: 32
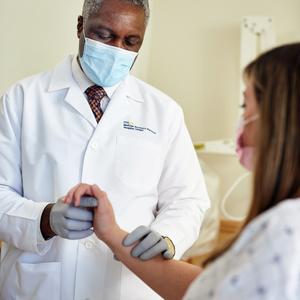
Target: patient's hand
x: 104, y: 222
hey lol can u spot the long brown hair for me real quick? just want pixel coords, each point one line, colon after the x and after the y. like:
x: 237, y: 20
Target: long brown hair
x: 276, y: 78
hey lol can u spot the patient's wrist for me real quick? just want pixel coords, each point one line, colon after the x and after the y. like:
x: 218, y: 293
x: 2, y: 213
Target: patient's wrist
x: 115, y: 238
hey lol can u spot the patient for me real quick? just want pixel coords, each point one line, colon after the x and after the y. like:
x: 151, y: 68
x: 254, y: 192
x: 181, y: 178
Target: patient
x: 264, y: 261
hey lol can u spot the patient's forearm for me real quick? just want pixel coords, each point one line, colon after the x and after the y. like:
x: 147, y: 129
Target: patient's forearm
x: 170, y: 279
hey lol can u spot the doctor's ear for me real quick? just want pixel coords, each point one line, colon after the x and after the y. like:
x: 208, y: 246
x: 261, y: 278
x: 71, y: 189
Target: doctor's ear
x: 79, y: 26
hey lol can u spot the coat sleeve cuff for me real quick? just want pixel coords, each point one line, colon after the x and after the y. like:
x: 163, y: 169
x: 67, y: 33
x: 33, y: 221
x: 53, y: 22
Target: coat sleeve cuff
x: 24, y: 225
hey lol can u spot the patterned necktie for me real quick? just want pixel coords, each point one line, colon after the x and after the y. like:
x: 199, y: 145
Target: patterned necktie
x: 95, y: 94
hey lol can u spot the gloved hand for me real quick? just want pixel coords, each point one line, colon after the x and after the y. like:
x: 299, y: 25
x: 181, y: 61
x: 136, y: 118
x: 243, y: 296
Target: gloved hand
x: 71, y: 222
x: 151, y: 244
x: 88, y: 201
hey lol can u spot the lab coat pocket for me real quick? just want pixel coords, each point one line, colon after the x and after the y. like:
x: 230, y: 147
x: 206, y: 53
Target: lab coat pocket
x: 38, y: 281
x: 138, y: 163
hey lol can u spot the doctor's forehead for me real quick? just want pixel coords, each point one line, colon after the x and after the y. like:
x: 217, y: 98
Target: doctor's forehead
x: 119, y: 15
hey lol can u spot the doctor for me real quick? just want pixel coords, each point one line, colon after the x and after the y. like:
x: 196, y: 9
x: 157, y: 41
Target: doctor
x: 88, y: 120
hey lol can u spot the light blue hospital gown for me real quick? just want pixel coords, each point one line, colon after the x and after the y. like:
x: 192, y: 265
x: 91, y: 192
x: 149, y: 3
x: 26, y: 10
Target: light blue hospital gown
x: 264, y: 263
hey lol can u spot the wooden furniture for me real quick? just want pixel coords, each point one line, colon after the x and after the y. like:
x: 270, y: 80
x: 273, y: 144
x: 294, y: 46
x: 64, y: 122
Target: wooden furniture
x: 228, y: 230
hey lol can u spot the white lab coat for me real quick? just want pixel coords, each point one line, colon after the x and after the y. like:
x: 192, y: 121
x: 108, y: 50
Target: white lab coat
x: 50, y: 141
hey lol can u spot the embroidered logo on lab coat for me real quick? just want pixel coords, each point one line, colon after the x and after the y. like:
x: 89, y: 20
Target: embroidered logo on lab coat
x: 130, y: 126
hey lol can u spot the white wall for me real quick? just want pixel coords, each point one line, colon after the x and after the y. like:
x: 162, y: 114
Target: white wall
x: 35, y: 35
x: 195, y: 55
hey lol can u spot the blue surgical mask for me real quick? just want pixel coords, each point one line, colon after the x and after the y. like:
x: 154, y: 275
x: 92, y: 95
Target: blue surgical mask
x: 106, y: 65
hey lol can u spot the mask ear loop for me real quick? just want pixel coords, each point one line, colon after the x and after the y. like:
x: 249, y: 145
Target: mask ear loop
x: 226, y: 196
x: 83, y: 31
x: 251, y: 119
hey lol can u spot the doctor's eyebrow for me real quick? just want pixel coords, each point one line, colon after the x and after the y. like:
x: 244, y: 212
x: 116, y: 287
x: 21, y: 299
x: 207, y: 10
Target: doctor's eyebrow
x: 101, y: 27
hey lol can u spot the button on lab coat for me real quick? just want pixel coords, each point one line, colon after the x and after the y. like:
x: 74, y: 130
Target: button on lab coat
x: 140, y: 154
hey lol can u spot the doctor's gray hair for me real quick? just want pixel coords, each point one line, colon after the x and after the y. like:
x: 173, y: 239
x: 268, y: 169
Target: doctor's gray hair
x: 92, y: 6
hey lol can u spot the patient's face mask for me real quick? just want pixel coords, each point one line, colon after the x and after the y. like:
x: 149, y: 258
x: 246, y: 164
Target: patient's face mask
x: 245, y: 153
x: 105, y: 65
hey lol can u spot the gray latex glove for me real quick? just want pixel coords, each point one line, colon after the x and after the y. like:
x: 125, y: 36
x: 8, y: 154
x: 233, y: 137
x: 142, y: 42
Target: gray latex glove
x: 88, y: 201
x: 150, y: 244
x: 71, y: 222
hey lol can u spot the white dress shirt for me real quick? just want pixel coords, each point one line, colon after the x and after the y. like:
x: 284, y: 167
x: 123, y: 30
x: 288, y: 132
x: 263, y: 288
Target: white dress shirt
x: 84, y: 83
x: 264, y: 263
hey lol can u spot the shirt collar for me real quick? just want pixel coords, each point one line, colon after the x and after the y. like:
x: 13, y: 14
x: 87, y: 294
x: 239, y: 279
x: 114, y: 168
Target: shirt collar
x: 84, y: 82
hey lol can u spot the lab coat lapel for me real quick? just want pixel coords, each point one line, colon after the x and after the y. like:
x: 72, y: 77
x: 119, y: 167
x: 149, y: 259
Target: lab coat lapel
x: 77, y: 100
x: 120, y: 106
x: 62, y: 78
